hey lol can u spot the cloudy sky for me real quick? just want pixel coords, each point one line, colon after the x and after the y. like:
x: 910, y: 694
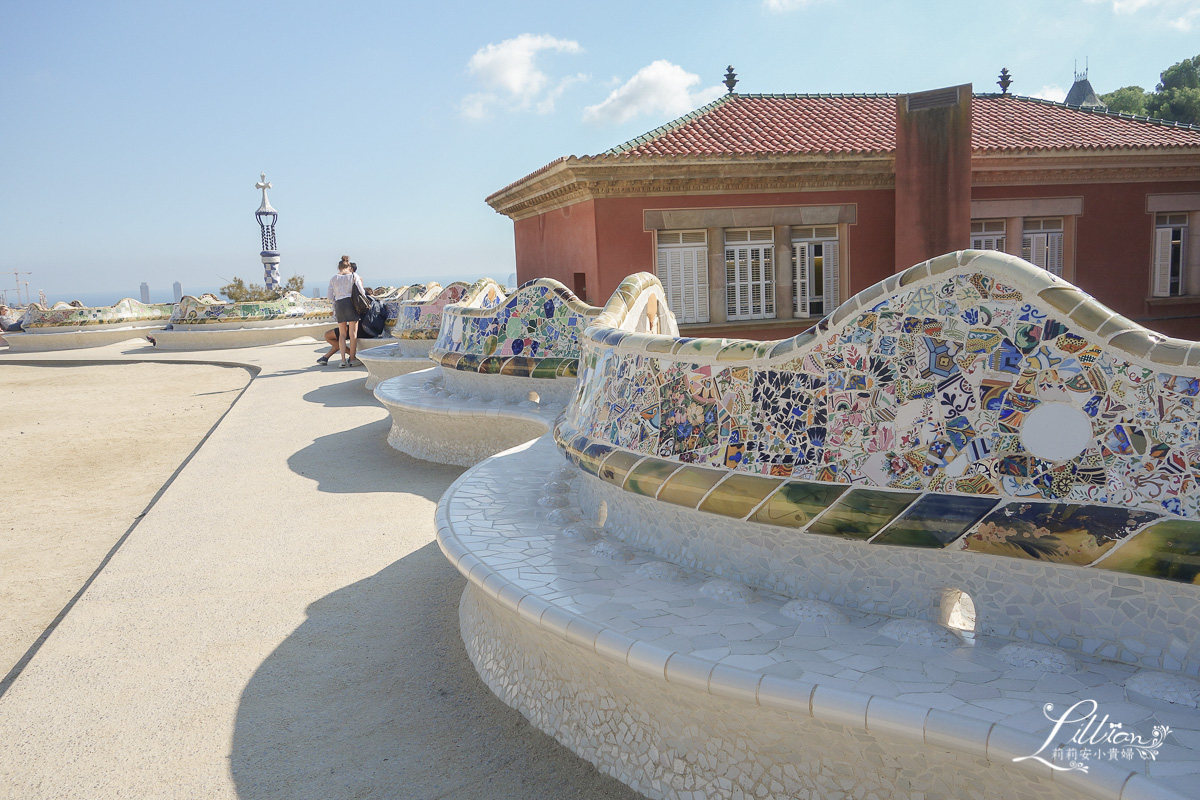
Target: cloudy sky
x: 134, y: 132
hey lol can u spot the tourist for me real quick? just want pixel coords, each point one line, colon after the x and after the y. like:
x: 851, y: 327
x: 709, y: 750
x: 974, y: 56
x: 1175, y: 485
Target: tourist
x: 341, y: 287
x: 371, y: 325
x: 9, y: 319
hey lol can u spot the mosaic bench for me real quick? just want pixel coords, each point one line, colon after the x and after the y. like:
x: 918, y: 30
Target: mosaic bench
x: 66, y: 327
x: 529, y: 343
x: 203, y: 324
x: 416, y: 327
x: 860, y: 560
x: 393, y: 297
x: 511, y: 366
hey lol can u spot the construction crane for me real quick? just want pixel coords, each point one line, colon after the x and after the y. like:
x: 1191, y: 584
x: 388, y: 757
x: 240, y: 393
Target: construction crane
x: 17, y: 279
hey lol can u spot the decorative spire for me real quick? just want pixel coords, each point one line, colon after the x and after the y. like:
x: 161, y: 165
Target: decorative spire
x: 730, y: 78
x: 266, y: 217
x: 1005, y: 80
x: 262, y: 184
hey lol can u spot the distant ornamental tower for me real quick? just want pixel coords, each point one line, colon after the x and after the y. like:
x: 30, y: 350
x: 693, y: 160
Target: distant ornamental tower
x: 266, y: 217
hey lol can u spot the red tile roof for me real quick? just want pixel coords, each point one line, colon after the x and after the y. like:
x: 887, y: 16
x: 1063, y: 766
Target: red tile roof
x: 794, y: 124
x: 788, y: 124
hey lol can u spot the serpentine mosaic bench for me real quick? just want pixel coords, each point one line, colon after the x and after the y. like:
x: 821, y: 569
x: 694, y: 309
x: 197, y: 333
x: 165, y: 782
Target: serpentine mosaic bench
x: 201, y: 324
x: 66, y: 327
x: 417, y: 324
x: 503, y: 374
x: 876, y: 559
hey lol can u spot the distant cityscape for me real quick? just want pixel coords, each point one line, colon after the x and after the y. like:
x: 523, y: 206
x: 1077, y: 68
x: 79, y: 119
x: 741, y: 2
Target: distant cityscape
x: 155, y: 293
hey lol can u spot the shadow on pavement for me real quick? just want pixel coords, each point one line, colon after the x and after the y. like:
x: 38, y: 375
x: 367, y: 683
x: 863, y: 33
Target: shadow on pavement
x: 360, y: 460
x: 374, y: 696
x: 347, y: 390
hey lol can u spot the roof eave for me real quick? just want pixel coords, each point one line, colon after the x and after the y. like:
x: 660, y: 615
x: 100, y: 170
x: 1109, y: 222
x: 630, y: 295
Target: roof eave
x: 580, y: 179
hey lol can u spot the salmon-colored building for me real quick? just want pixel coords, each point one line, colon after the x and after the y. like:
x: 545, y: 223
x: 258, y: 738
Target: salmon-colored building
x: 761, y: 212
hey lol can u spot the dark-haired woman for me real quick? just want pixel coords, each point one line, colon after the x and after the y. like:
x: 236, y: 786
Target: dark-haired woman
x: 341, y: 286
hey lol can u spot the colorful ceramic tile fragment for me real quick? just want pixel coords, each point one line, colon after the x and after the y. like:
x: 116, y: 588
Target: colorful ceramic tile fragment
x: 689, y: 486
x: 648, y: 477
x: 797, y: 503
x: 1169, y: 549
x: 593, y: 455
x: 936, y: 520
x: 616, y: 467
x: 738, y: 495
x: 861, y: 513
x: 1062, y: 533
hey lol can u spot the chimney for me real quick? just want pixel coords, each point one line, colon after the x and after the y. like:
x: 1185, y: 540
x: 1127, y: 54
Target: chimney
x: 933, y: 174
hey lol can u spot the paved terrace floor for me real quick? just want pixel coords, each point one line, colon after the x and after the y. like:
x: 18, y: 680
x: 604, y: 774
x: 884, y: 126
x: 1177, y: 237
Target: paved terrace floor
x: 278, y: 624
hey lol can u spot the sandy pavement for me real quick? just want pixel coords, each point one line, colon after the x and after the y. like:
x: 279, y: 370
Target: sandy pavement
x: 85, y: 449
x: 279, y: 624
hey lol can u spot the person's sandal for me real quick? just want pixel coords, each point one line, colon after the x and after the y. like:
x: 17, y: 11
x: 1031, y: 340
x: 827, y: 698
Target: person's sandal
x: 323, y: 361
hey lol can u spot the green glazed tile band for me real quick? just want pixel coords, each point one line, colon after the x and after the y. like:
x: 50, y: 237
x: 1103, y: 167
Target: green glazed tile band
x: 1166, y: 549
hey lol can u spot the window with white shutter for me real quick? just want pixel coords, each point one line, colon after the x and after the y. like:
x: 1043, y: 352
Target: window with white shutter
x: 988, y: 234
x: 750, y: 273
x: 1042, y: 244
x: 682, y: 268
x: 816, y: 271
x: 1170, y: 249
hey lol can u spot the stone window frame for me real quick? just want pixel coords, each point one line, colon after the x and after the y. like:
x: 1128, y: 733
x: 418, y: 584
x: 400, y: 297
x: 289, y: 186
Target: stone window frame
x: 1184, y: 203
x: 1016, y: 210
x: 715, y: 219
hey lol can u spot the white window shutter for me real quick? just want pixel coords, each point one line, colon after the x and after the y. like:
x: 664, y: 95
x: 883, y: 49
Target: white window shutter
x: 1162, y: 262
x: 665, y: 274
x: 802, y: 278
x: 1054, y: 253
x: 687, y: 285
x: 750, y: 281
x: 743, y: 268
x: 731, y: 307
x: 694, y: 284
x: 768, y: 254
x: 1183, y: 257
x: 833, y: 269
x: 702, y: 284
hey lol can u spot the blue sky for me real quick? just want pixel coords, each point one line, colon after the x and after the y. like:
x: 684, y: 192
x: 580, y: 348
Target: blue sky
x: 134, y: 131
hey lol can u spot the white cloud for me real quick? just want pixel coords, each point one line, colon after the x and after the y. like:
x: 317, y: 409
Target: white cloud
x: 1183, y: 12
x: 659, y: 88
x: 511, y: 77
x: 1185, y: 23
x: 546, y: 104
x: 1052, y: 92
x: 783, y: 6
x: 1180, y: 14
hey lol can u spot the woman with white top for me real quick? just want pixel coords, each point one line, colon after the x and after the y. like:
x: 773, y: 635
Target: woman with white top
x: 341, y: 286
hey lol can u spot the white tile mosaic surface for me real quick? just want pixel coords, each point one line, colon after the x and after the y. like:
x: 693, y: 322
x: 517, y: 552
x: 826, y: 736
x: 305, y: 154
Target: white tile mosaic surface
x: 396, y: 358
x: 681, y: 694
x: 1143, y: 621
x: 557, y: 392
x: 432, y: 423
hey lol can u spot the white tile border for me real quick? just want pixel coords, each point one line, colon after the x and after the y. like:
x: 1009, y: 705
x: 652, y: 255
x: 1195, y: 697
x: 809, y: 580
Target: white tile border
x: 853, y: 710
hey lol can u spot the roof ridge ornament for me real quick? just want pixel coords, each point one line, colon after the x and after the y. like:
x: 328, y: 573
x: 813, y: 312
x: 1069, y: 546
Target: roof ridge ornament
x: 730, y: 78
x: 1005, y: 81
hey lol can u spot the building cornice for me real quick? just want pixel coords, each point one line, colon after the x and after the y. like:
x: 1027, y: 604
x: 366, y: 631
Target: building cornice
x: 573, y: 180
x: 1110, y: 166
